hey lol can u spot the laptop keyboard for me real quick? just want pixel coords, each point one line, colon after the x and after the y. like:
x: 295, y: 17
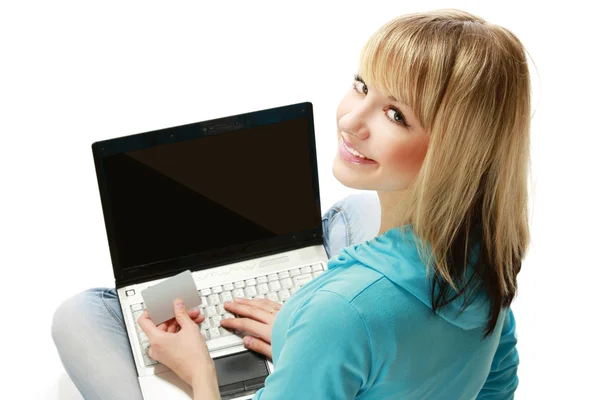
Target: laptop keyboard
x: 278, y: 287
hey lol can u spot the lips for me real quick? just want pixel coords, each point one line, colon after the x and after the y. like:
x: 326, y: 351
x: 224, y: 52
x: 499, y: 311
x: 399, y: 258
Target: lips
x: 353, y: 156
x: 353, y: 151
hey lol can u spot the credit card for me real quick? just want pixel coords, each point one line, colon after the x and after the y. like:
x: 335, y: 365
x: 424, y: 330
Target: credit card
x: 159, y: 298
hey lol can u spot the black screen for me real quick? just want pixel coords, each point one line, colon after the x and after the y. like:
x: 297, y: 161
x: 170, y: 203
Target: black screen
x: 192, y: 196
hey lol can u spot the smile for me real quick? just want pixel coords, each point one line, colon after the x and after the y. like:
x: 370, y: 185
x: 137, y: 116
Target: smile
x: 353, y: 156
x: 354, y: 151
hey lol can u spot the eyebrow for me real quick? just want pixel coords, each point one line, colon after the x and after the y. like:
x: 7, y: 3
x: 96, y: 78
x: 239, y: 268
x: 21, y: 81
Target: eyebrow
x: 360, y: 79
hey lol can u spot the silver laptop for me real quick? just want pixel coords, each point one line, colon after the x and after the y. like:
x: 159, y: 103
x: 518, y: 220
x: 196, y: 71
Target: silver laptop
x: 235, y: 200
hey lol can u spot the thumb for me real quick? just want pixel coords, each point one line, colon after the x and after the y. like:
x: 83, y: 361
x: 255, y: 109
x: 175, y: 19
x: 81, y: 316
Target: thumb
x: 181, y: 313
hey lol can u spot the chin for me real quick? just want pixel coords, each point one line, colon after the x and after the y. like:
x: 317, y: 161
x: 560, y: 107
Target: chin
x: 349, y: 178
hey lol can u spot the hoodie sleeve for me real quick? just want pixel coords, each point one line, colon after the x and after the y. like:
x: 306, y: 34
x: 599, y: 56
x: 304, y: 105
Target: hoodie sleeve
x: 502, y: 380
x: 326, y: 353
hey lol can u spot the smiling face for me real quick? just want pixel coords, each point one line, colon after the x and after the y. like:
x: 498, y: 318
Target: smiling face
x: 381, y: 145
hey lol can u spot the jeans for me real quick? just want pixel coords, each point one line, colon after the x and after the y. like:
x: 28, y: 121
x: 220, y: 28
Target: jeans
x: 89, y: 332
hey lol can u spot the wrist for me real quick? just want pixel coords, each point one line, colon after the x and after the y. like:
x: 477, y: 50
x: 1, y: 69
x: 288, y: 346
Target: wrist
x: 204, y: 376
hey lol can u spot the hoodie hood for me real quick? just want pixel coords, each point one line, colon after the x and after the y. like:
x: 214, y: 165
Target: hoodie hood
x: 395, y: 255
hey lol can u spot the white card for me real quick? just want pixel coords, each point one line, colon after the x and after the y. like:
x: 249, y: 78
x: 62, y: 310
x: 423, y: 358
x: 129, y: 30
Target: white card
x: 159, y: 298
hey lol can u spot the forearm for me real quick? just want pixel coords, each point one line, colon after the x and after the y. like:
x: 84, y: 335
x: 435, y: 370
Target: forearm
x: 205, y: 385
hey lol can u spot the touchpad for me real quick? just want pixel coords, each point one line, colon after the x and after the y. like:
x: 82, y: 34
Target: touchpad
x: 241, y: 372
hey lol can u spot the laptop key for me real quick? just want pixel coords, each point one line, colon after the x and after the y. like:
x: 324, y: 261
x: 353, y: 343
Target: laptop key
x: 287, y: 283
x: 274, y: 286
x: 210, y: 311
x: 206, y: 325
x: 255, y: 383
x: 223, y: 342
x: 149, y: 361
x: 284, y: 295
x: 216, y: 320
x: 144, y: 347
x: 232, y: 388
x: 225, y: 332
x: 250, y: 291
x: 143, y: 337
x: 263, y: 288
x: 203, y: 301
x: 213, y: 299
x: 226, y: 296
x: 214, y: 333
x: 239, y: 285
x: 302, y: 280
x: 284, y: 274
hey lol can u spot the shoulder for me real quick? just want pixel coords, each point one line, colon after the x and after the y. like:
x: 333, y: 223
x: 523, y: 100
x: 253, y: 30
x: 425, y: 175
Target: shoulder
x: 326, y: 312
x: 351, y: 281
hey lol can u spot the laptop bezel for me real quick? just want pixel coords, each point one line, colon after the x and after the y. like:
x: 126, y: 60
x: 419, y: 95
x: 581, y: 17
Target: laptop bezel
x: 126, y: 276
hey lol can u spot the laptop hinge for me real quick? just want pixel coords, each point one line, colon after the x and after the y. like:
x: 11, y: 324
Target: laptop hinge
x: 170, y: 272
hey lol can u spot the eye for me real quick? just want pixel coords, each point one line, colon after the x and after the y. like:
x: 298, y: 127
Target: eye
x: 359, y: 85
x: 395, y: 116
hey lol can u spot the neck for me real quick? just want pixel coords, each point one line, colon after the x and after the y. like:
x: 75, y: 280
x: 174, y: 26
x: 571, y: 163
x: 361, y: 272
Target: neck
x: 391, y: 203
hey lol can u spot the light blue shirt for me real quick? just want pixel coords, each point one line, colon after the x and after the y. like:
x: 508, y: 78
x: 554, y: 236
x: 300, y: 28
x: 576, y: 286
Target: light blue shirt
x: 365, y: 330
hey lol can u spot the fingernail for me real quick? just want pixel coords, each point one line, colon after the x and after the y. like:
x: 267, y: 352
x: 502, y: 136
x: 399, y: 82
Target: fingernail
x: 247, y: 340
x: 179, y: 304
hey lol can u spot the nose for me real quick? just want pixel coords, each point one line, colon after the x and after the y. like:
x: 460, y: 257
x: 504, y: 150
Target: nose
x: 354, y: 123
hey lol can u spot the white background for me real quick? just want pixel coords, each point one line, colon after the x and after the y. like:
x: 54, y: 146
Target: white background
x: 76, y: 72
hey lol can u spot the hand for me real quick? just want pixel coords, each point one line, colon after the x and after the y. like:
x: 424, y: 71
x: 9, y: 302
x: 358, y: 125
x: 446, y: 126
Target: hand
x: 179, y: 345
x: 259, y: 322
x: 173, y: 327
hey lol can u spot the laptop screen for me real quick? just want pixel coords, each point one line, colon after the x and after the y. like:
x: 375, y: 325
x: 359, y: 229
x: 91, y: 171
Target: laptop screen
x: 197, y: 195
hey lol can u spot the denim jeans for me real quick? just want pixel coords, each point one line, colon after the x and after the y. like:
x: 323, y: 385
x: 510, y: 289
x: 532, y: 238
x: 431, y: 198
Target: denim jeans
x: 89, y: 332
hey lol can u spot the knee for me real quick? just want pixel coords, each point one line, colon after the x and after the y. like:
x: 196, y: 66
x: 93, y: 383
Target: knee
x: 353, y: 219
x: 67, y: 319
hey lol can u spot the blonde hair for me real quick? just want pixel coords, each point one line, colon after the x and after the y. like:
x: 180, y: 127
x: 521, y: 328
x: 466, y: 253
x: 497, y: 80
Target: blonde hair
x: 467, y: 82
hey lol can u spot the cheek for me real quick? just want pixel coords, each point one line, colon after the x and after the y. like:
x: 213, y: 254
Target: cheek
x: 408, y: 156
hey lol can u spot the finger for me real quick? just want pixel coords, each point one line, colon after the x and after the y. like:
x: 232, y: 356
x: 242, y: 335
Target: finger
x: 199, y: 319
x: 250, y: 311
x: 251, y: 326
x: 195, y: 315
x: 149, y: 328
x: 264, y: 304
x: 181, y: 314
x: 172, y: 327
x: 163, y: 327
x: 258, y: 345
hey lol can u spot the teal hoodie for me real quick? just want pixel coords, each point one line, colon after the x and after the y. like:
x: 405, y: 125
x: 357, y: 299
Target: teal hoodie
x: 365, y: 330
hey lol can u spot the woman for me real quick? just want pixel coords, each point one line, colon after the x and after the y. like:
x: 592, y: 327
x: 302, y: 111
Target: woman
x: 437, y: 124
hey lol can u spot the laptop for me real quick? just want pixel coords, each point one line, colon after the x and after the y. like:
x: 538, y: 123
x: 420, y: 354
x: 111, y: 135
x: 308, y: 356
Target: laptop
x: 234, y: 200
